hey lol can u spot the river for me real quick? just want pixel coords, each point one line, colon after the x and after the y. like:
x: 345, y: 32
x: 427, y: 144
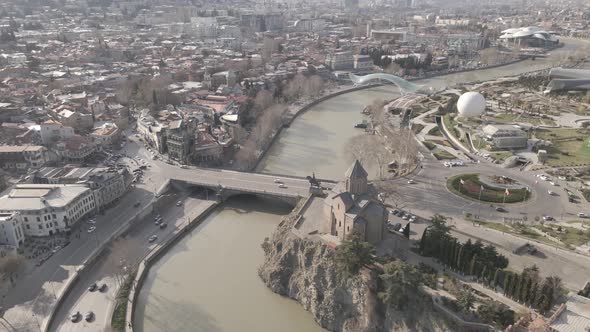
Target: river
x: 316, y: 139
x: 208, y: 281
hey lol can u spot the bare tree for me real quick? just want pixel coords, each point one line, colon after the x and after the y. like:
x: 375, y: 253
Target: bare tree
x: 125, y: 254
x: 263, y: 100
x: 12, y: 265
x: 389, y: 194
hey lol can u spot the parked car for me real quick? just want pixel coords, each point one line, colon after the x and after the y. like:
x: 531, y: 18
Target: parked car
x: 548, y: 218
x: 183, y: 166
x: 158, y: 222
x: 500, y: 209
x: 411, y: 181
x: 75, y: 317
x: 92, y: 287
x: 163, y: 225
x: 179, y: 203
x: 102, y: 288
x: 551, y: 193
x: 282, y: 185
x: 89, y: 316
x: 278, y: 181
x: 152, y: 238
x: 91, y: 229
x: 137, y: 204
x: 582, y: 215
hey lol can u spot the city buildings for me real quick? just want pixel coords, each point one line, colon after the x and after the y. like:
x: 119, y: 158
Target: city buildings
x: 11, y: 229
x: 21, y: 158
x: 505, y: 137
x: 47, y: 209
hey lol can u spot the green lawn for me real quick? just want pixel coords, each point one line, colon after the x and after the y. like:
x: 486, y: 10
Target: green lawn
x: 441, y: 154
x: 450, y: 124
x: 514, y: 117
x: 471, y: 188
x: 434, y: 132
x: 569, y: 235
x: 429, y: 144
x: 118, y: 319
x: 574, y: 150
x: 501, y: 155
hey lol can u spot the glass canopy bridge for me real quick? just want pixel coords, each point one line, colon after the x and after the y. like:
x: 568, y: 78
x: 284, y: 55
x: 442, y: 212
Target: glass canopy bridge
x: 404, y: 86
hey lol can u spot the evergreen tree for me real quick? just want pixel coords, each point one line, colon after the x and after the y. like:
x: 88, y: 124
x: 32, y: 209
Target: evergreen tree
x: 515, y: 286
x: 496, y: 278
x: 154, y: 97
x: 423, y: 241
x: 532, y: 296
x: 459, y: 257
x: 472, y: 265
x: 525, y: 289
x: 507, y: 283
x: 407, y: 231
x: 352, y: 254
x: 484, y: 274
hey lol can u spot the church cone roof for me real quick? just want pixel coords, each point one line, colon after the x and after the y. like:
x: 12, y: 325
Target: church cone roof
x: 356, y: 171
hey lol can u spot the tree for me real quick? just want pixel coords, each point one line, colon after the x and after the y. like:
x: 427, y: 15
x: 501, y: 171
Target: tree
x: 495, y: 312
x: 496, y: 279
x: 399, y: 279
x: 12, y: 265
x: 507, y: 282
x: 465, y: 301
x: 423, y: 241
x: 472, y: 265
x: 352, y: 254
x: 525, y: 289
x: 407, y: 231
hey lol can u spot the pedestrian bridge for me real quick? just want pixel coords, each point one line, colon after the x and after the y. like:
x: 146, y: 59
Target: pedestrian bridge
x: 228, y: 183
x: 402, y: 84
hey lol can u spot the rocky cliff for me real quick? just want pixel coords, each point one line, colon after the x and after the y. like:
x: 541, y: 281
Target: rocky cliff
x: 304, y: 271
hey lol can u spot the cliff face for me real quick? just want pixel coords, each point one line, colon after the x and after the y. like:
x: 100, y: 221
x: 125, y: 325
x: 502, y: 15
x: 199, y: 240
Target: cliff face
x: 304, y: 271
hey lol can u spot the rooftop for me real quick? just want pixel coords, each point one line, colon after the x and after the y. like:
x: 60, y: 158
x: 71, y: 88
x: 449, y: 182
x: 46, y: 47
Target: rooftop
x: 40, y: 196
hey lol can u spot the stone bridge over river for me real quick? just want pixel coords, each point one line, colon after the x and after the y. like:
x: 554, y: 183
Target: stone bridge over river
x: 228, y: 183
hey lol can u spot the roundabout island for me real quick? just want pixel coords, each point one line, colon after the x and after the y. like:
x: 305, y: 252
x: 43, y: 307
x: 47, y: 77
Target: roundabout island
x: 492, y: 189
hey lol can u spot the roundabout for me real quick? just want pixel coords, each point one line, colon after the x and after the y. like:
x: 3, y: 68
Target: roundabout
x: 472, y: 187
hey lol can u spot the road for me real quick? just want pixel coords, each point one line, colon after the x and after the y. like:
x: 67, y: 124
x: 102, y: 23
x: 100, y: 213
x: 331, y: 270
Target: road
x: 28, y: 302
x: 80, y: 299
x: 431, y: 187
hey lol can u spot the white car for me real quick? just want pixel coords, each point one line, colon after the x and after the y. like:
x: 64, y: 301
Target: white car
x: 282, y: 185
x: 582, y: 215
x: 183, y: 166
x: 278, y: 181
x: 179, y: 203
x: 550, y: 192
x: 152, y: 238
x: 91, y: 229
x: 411, y: 181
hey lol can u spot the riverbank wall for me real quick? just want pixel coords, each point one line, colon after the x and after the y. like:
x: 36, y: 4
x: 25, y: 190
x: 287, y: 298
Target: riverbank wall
x: 153, y: 257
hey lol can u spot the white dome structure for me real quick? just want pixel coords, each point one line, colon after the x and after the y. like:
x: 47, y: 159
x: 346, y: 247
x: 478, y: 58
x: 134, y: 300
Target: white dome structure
x: 471, y: 104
